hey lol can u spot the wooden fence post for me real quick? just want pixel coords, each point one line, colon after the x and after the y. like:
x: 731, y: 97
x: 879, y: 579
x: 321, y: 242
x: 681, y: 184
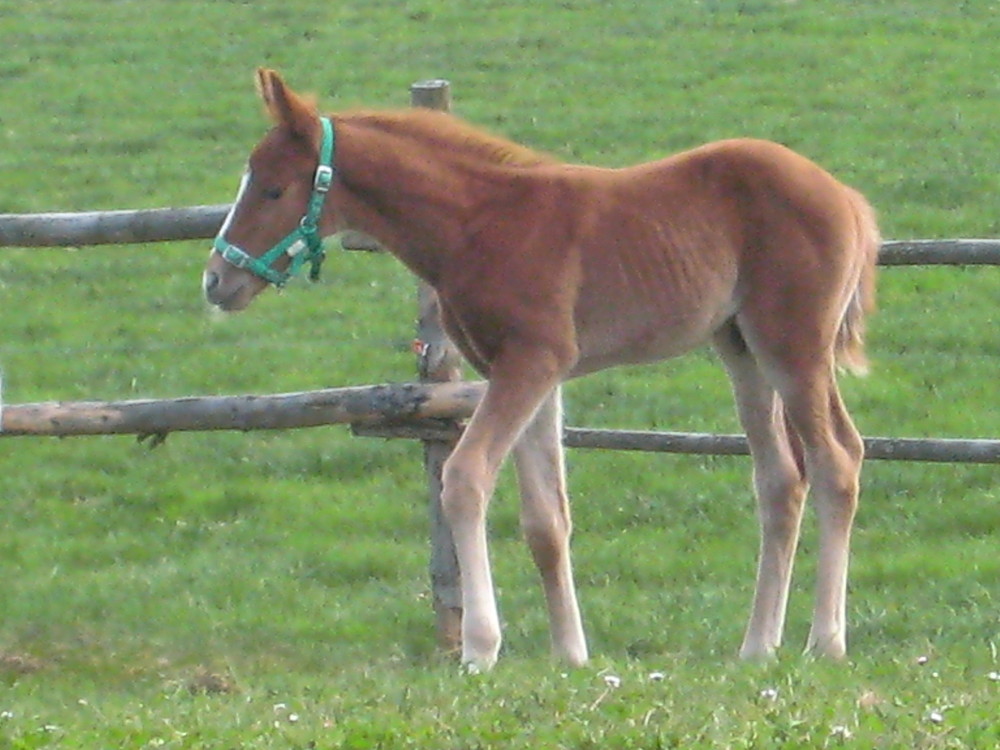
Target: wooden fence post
x: 438, y: 361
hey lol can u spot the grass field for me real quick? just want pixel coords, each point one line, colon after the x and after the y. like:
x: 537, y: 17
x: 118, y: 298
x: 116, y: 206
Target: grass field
x: 269, y: 590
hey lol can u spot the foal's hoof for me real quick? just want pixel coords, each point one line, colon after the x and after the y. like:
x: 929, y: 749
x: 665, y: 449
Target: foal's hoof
x: 574, y: 657
x: 834, y: 649
x: 480, y: 648
x: 477, y: 666
x: 758, y: 652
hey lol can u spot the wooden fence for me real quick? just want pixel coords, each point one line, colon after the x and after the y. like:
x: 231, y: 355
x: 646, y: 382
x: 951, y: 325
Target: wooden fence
x: 428, y: 410
x: 425, y: 411
x: 202, y: 222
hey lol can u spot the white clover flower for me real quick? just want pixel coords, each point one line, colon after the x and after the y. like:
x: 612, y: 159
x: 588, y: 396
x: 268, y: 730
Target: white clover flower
x: 994, y: 676
x: 840, y: 732
x: 935, y: 717
x: 769, y: 694
x: 656, y: 676
x: 612, y: 681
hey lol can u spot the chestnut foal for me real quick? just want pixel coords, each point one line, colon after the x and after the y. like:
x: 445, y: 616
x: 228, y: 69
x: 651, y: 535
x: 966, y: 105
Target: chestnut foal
x: 547, y: 271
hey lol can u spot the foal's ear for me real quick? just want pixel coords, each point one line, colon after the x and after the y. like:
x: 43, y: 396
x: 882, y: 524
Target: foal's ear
x: 287, y: 107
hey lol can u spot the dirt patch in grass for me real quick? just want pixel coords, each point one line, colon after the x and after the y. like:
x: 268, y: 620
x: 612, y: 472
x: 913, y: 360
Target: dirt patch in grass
x: 207, y: 682
x: 12, y: 663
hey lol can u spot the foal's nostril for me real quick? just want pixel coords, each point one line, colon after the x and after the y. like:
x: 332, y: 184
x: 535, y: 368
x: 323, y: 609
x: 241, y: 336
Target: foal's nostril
x: 210, y: 281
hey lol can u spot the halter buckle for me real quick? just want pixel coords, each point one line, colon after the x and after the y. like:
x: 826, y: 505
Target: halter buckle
x: 233, y: 255
x: 324, y: 178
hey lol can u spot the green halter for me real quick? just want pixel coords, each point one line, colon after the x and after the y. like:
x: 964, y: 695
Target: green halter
x: 302, y: 245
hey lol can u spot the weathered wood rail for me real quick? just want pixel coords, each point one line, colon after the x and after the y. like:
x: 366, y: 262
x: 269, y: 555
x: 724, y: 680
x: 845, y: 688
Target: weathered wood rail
x: 934, y: 450
x: 111, y: 227
x: 279, y: 411
x: 93, y: 228
x: 428, y: 411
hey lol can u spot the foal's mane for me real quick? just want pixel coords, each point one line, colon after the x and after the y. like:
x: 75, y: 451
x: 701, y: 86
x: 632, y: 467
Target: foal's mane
x: 451, y: 134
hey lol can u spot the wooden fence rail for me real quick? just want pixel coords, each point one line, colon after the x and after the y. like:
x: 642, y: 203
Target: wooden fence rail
x: 932, y: 450
x: 111, y: 227
x: 425, y: 411
x: 202, y: 222
x: 271, y: 412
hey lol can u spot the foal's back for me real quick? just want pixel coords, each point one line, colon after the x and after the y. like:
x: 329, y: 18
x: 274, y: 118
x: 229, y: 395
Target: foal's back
x: 671, y: 250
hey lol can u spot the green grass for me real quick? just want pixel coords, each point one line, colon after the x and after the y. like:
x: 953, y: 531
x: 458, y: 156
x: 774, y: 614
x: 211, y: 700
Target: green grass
x: 204, y: 593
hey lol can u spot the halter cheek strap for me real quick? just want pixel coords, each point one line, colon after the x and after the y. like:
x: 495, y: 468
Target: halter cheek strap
x: 303, y: 244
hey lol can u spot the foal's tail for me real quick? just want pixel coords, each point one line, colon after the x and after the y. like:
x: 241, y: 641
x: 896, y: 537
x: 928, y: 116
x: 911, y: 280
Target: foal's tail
x: 850, y: 344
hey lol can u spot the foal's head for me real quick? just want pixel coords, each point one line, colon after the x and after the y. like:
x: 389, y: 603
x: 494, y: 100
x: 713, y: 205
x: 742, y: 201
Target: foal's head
x: 277, y: 219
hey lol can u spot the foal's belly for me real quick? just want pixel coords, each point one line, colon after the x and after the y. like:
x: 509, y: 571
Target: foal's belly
x: 647, y: 302
x: 622, y: 339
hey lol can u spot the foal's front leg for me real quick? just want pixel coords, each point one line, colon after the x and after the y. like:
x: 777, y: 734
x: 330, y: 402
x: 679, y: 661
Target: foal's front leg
x: 545, y: 521
x: 516, y: 389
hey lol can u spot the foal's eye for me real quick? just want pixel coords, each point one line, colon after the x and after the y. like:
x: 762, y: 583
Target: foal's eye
x: 272, y: 194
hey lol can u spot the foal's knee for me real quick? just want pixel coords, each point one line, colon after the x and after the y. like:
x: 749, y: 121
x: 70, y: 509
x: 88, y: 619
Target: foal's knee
x: 463, y: 491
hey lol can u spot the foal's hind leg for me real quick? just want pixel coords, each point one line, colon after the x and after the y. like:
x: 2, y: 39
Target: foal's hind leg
x: 833, y: 452
x: 545, y: 520
x: 780, y: 488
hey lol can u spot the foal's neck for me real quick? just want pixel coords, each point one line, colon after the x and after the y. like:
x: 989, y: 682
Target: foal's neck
x: 417, y: 198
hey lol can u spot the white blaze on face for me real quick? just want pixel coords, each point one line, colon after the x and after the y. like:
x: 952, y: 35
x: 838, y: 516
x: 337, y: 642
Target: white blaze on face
x: 244, y: 183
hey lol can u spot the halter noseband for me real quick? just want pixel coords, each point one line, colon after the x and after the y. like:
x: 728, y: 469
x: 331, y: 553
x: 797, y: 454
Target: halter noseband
x: 303, y: 244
